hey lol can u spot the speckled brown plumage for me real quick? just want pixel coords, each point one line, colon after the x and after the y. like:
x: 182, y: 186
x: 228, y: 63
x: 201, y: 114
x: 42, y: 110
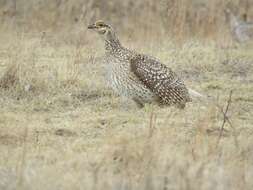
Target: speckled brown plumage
x: 139, y: 77
x: 161, y: 80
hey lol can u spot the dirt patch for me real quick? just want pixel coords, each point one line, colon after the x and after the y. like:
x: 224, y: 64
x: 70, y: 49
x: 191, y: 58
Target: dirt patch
x: 7, y: 139
x: 237, y: 67
x: 65, y: 133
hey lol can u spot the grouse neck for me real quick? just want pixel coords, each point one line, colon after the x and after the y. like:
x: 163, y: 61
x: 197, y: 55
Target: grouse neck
x: 112, y: 43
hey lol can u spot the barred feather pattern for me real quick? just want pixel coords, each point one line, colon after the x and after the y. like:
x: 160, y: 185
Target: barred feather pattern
x: 161, y: 80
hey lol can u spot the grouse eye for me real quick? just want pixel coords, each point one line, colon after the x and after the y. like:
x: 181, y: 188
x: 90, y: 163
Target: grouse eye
x: 100, y: 24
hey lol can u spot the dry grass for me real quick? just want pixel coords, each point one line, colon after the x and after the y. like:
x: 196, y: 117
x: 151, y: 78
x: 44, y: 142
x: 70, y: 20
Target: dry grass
x: 177, y: 19
x: 62, y: 128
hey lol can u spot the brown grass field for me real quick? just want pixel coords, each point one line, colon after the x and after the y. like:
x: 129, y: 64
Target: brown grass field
x: 62, y: 128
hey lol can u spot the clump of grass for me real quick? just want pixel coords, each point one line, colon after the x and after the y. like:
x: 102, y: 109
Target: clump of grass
x: 22, y: 79
x: 28, y: 72
x: 9, y: 78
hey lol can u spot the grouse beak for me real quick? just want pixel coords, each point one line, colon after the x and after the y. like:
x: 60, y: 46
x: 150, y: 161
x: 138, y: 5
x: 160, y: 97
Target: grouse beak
x: 91, y: 26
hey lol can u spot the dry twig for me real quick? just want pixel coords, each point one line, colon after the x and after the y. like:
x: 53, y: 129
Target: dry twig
x: 226, y: 119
